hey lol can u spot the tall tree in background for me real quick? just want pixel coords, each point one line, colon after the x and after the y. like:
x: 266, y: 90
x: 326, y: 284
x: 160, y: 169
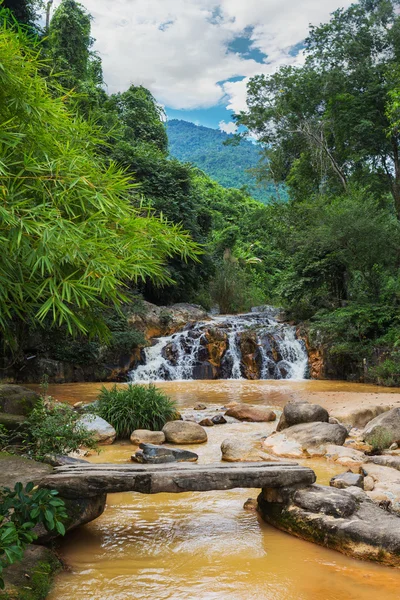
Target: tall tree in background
x: 70, y: 42
x: 326, y: 125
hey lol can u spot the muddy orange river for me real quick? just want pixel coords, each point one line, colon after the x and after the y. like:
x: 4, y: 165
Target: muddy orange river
x: 205, y: 546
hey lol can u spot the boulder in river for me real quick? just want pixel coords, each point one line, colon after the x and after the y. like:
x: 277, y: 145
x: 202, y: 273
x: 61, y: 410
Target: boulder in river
x: 184, y: 432
x: 384, y: 430
x: 243, y: 449
x: 151, y: 454
x: 206, y: 423
x: 358, y: 416
x: 343, y: 520
x: 344, y: 455
x: 305, y: 439
x: 146, y: 436
x: 346, y: 480
x: 104, y: 433
x: 16, y: 399
x: 295, y: 413
x: 218, y: 420
x: 252, y: 414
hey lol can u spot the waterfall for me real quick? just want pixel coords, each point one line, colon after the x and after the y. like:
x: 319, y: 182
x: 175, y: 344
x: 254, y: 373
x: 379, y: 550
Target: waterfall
x: 249, y: 346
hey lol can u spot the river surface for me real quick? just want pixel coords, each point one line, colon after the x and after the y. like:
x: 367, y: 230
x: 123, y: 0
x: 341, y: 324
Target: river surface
x: 205, y: 546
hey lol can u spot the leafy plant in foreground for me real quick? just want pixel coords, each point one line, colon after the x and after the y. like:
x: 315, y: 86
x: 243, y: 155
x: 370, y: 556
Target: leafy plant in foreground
x: 20, y: 511
x: 135, y: 407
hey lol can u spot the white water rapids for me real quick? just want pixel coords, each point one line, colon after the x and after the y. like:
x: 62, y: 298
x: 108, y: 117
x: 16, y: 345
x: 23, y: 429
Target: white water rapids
x: 183, y: 355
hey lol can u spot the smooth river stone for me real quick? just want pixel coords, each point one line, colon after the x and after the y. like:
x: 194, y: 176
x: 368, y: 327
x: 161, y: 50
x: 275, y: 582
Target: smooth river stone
x: 146, y: 436
x: 184, y: 432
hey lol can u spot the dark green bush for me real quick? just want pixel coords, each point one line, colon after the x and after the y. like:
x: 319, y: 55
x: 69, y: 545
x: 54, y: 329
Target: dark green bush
x: 135, y: 407
x: 387, y: 372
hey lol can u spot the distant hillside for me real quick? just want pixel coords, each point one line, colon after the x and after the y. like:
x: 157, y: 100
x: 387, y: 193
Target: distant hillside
x: 205, y: 148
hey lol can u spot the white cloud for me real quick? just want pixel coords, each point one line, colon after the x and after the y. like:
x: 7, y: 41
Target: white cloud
x: 230, y: 127
x: 178, y: 48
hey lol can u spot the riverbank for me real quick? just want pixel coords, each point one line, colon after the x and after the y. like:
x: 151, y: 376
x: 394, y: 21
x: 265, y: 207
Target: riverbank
x: 332, y: 395
x: 205, y: 545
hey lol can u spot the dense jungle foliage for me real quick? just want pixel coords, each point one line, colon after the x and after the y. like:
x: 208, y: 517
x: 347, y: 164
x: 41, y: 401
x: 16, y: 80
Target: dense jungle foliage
x: 96, y: 209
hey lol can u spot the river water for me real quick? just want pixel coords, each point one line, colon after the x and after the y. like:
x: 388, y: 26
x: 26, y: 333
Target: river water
x: 205, y: 546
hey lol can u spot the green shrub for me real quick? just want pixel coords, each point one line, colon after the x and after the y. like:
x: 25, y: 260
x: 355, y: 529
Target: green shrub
x: 20, y: 511
x: 387, y: 372
x: 135, y: 407
x: 53, y: 428
x: 381, y: 439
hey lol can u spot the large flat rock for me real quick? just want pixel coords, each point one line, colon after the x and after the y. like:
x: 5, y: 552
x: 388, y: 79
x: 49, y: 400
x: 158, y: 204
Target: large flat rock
x: 85, y: 481
x: 344, y: 520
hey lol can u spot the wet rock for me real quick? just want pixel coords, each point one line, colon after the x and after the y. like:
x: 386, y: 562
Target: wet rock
x: 171, y: 353
x: 295, y: 413
x: 358, y: 416
x: 151, y: 454
x: 343, y: 520
x: 16, y: 399
x: 104, y: 433
x: 251, y: 360
x: 216, y: 342
x: 252, y: 414
x: 219, y: 420
x: 251, y: 505
x: 184, y: 432
x: 343, y: 455
x: 346, y: 480
x: 206, y: 423
x: 205, y: 371
x: 148, y: 437
x: 384, y: 430
x: 200, y: 406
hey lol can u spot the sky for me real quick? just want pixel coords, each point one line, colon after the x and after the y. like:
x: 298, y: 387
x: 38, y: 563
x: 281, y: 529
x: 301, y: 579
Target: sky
x: 196, y: 56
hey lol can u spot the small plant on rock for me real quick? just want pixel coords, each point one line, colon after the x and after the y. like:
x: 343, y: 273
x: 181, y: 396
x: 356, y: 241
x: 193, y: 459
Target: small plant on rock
x: 135, y: 407
x: 54, y: 428
x: 20, y: 511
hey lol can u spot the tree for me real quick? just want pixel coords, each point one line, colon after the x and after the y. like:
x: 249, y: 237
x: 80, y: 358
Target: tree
x: 71, y: 238
x: 70, y: 41
x: 326, y: 124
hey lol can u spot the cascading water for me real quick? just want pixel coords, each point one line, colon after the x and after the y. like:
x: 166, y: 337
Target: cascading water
x: 250, y: 346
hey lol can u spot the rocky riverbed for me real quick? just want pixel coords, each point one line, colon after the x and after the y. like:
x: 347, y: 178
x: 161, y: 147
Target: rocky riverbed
x: 343, y: 441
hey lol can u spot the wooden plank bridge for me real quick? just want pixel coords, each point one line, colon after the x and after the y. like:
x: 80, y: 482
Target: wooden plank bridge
x: 89, y: 480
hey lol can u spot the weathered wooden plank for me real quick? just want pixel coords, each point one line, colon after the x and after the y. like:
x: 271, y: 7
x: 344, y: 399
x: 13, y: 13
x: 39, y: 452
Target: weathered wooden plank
x: 85, y: 481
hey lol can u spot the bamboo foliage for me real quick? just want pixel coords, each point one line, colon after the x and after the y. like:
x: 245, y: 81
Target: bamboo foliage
x: 70, y: 237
